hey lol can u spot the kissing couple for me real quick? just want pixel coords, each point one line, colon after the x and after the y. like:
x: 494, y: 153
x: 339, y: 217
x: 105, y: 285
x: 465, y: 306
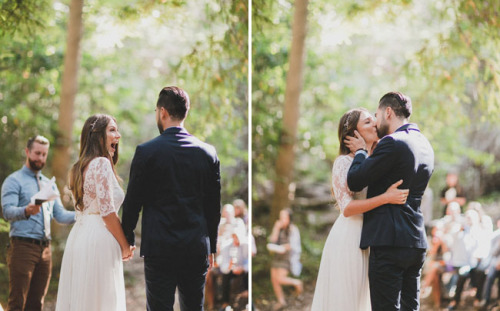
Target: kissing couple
x: 373, y: 256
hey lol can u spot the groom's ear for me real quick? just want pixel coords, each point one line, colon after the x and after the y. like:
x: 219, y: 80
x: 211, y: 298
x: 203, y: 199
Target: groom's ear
x: 163, y: 113
x: 389, y: 113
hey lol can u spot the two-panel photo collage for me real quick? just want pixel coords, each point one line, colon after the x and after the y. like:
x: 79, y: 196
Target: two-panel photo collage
x: 230, y: 155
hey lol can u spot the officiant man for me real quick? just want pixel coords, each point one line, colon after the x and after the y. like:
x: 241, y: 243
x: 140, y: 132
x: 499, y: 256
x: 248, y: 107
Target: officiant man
x: 29, y: 256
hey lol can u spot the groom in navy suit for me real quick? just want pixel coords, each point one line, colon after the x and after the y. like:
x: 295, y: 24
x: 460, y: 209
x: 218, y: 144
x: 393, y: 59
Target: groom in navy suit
x: 395, y: 233
x: 175, y: 179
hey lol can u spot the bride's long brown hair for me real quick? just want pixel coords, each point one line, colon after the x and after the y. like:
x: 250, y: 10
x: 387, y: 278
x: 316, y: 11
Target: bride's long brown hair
x: 92, y: 145
x: 347, y: 124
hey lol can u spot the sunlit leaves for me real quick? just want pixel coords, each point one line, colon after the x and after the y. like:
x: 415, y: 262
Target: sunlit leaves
x: 444, y: 54
x: 130, y: 50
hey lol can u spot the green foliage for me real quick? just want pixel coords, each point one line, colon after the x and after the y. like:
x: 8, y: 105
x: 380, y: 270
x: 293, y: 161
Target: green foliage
x: 4, y: 226
x: 446, y: 60
x: 443, y: 54
x: 271, y: 23
x: 22, y: 16
x: 130, y: 50
x: 28, y: 100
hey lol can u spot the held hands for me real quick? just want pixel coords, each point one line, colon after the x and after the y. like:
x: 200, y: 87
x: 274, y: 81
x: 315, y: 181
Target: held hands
x: 211, y: 261
x: 128, y: 253
x: 356, y: 142
x: 395, y: 195
x: 32, y: 209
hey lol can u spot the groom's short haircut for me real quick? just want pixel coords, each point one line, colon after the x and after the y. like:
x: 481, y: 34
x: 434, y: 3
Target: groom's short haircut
x: 175, y: 100
x: 399, y: 103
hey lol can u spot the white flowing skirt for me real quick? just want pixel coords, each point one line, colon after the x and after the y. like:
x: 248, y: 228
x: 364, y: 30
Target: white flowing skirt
x: 92, y: 269
x: 342, y: 283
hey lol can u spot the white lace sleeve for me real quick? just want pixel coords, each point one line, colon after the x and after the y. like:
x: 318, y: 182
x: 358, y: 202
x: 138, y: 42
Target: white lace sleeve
x: 339, y: 181
x: 104, y: 186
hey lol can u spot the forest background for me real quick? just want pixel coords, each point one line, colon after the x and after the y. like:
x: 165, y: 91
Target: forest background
x: 124, y: 53
x: 443, y: 54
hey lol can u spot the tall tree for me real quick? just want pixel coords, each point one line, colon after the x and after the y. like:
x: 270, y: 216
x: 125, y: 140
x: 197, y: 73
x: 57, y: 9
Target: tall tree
x: 69, y: 88
x: 294, y: 81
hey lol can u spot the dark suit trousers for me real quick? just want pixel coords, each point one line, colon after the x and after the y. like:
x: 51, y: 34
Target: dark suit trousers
x: 176, y: 270
x: 394, y: 275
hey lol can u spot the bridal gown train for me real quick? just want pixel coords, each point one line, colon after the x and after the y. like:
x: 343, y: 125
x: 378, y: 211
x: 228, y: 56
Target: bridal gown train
x: 92, y: 268
x: 342, y: 283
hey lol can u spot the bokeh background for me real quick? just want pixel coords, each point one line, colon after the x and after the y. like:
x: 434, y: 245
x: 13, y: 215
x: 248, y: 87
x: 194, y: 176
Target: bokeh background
x: 128, y: 51
x: 443, y: 54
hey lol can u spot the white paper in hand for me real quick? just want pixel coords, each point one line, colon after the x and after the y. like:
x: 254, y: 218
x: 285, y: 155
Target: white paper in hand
x: 47, y: 192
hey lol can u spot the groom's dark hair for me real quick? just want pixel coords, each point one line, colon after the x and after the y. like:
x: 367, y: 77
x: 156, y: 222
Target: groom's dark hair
x: 175, y: 100
x: 399, y: 103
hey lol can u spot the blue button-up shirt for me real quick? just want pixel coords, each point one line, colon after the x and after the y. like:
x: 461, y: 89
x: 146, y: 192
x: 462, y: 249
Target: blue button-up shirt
x: 17, y: 190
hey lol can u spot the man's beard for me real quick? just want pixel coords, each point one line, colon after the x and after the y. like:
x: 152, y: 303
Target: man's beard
x: 160, y: 126
x: 382, y: 129
x: 36, y: 165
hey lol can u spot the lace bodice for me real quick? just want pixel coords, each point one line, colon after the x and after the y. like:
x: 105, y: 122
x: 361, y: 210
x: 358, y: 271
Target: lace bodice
x: 102, y: 193
x: 339, y: 182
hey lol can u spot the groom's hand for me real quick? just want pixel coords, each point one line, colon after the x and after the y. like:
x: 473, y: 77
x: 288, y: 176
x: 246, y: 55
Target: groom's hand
x: 127, y: 254
x: 132, y: 249
x: 211, y: 261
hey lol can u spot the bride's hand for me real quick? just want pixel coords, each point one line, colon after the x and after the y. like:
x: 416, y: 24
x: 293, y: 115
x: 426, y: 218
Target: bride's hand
x: 127, y: 252
x: 396, y: 196
x: 356, y: 142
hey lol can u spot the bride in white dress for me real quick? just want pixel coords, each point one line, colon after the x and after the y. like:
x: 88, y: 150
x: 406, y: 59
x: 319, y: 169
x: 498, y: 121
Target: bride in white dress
x: 92, y: 266
x: 342, y: 283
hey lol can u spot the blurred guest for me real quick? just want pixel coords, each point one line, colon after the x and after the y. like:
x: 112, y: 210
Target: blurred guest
x: 485, y: 220
x: 482, y: 230
x: 435, y: 265
x: 230, y: 223
x: 492, y: 270
x: 232, y: 236
x: 453, y: 192
x: 234, y: 264
x: 463, y: 250
x: 285, y: 247
x: 427, y: 208
x: 240, y: 210
x: 453, y: 220
x: 253, y: 245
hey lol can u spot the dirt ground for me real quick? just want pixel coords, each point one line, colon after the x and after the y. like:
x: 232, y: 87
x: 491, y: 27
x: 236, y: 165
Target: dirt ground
x: 304, y: 302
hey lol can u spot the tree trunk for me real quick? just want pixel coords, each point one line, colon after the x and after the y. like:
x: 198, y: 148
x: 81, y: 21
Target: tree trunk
x: 286, y: 154
x: 69, y: 88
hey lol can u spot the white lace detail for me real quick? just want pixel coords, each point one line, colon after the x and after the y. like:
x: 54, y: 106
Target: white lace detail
x: 102, y: 194
x: 339, y: 181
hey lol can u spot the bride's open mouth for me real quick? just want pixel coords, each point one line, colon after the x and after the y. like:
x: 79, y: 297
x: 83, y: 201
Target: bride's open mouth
x: 113, y: 147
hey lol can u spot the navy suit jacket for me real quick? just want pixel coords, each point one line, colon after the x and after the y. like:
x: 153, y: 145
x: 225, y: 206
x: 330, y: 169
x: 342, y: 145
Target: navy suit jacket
x: 175, y: 178
x: 405, y: 154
